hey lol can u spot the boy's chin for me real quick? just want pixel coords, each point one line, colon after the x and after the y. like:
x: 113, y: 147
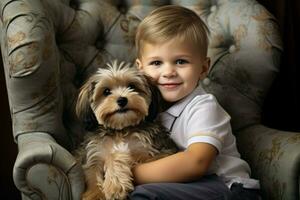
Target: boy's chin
x: 171, y: 98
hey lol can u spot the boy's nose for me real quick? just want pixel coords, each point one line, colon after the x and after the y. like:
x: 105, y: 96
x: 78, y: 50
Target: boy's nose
x: 169, y: 71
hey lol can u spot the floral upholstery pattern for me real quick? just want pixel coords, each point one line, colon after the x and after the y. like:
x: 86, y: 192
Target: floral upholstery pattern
x: 50, y: 47
x: 272, y: 154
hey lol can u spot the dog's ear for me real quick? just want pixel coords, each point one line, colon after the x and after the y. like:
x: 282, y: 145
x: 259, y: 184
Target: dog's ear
x: 90, y: 122
x: 156, y: 98
x: 83, y: 106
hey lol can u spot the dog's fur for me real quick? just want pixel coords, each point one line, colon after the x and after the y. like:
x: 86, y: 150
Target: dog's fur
x: 117, y: 98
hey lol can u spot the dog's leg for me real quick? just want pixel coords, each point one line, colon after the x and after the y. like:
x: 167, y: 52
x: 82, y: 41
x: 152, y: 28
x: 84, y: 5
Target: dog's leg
x: 94, y: 182
x: 118, y: 175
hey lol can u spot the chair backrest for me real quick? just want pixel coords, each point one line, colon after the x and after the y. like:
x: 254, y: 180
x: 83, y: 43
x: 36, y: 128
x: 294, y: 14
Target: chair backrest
x: 49, y: 47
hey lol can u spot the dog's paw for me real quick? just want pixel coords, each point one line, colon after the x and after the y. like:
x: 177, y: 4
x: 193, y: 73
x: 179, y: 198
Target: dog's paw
x: 93, y: 195
x: 116, y: 190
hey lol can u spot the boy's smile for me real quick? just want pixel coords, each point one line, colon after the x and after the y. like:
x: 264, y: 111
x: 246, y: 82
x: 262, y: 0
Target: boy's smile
x: 169, y: 86
x: 175, y: 65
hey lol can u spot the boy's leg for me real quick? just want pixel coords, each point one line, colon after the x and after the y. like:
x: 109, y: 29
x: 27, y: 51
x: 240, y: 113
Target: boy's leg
x: 240, y: 193
x: 207, y: 188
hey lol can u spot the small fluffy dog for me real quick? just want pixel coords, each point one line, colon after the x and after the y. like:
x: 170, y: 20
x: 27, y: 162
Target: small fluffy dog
x: 117, y: 99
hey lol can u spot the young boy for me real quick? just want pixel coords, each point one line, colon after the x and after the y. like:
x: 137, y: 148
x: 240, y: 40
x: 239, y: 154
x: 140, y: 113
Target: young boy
x: 172, y: 47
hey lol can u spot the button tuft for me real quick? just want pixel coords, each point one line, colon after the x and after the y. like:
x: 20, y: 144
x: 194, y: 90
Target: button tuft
x: 213, y: 8
x: 206, y: 81
x: 232, y: 49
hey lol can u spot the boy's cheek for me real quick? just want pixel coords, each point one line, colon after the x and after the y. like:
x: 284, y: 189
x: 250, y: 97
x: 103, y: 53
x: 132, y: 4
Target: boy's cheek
x: 152, y: 73
x: 160, y: 90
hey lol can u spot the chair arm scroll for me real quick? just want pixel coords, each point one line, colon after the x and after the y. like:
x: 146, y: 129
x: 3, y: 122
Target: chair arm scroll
x: 274, y: 157
x: 45, y: 170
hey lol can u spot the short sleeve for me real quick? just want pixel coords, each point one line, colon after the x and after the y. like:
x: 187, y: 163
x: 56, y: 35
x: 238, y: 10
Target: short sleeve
x: 208, y: 122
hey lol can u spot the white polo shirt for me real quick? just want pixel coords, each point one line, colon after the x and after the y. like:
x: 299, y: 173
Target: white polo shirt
x: 199, y: 118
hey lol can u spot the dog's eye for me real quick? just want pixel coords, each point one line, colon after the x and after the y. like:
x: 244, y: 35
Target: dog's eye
x: 106, y: 92
x: 131, y: 86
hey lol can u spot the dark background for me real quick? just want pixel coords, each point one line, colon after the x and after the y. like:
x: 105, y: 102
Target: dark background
x: 282, y: 106
x: 281, y: 110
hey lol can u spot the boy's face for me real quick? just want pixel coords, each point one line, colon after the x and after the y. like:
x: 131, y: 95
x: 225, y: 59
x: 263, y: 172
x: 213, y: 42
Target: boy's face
x: 175, y: 66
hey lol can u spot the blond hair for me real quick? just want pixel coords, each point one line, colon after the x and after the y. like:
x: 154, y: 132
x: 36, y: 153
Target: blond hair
x: 169, y: 22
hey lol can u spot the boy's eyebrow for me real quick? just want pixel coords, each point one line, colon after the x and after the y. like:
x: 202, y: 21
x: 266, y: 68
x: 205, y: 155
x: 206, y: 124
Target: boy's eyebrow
x: 183, y: 55
x: 153, y: 57
x: 176, y: 56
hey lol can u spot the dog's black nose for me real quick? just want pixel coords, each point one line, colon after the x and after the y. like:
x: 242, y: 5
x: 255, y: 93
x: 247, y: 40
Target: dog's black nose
x: 122, y: 101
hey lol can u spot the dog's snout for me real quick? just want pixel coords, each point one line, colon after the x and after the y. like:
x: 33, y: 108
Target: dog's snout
x: 122, y: 101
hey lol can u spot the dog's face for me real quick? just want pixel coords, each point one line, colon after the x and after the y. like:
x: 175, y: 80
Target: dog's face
x: 118, y: 95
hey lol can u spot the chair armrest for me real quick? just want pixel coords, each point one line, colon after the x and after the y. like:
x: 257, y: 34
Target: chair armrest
x: 45, y: 170
x: 274, y: 157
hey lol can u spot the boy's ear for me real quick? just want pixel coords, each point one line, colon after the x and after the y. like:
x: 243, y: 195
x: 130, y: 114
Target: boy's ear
x: 138, y: 64
x: 208, y: 63
x: 205, y: 68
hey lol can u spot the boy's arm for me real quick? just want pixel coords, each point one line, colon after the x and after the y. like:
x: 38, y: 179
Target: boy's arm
x: 180, y: 167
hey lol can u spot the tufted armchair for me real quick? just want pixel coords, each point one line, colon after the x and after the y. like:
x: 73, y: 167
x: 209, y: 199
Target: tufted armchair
x: 49, y: 47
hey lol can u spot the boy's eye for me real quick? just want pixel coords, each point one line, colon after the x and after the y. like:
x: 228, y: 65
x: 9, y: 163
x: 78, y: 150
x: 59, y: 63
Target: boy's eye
x: 106, y: 92
x: 156, y: 63
x: 181, y: 61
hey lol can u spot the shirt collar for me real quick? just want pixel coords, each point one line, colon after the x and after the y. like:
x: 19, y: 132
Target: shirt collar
x: 179, y: 106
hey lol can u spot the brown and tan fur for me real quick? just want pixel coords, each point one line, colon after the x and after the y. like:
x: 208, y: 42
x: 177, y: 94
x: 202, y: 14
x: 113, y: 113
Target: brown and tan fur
x: 123, y: 137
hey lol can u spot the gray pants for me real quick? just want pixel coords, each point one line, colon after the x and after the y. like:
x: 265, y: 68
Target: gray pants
x: 209, y: 187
